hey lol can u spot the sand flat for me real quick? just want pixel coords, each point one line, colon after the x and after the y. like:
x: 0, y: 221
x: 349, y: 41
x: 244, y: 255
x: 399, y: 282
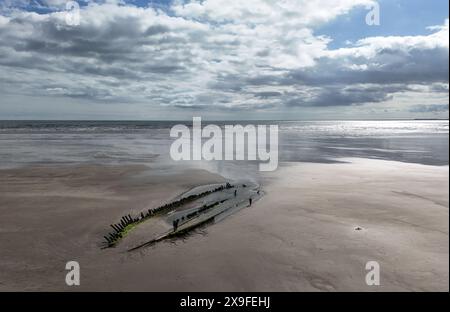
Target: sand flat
x: 300, y: 237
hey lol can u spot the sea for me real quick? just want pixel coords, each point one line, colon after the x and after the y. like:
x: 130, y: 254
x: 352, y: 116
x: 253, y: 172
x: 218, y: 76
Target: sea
x: 24, y: 143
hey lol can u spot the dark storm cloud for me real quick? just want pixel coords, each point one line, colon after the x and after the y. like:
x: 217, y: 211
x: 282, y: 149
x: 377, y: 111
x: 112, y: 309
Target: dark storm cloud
x: 268, y: 94
x: 414, y: 67
x: 335, y: 96
x: 434, y: 108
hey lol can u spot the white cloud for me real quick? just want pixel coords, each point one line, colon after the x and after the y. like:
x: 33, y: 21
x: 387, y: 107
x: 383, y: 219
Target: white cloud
x: 255, y: 54
x: 370, y: 47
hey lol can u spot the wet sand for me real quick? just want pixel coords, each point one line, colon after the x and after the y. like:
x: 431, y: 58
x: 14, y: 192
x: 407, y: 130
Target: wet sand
x: 299, y: 237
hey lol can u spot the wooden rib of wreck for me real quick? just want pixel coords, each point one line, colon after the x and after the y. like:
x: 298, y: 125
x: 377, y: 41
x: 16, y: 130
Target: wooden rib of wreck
x: 127, y: 221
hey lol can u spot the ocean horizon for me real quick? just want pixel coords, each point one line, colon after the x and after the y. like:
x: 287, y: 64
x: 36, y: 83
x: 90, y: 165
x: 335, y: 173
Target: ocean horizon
x: 412, y: 141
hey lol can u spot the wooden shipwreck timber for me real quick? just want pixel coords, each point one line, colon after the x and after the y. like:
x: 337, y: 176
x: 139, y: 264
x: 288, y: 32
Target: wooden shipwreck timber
x: 199, y: 206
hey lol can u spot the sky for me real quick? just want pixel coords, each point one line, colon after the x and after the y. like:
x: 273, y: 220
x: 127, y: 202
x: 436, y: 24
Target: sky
x: 224, y: 59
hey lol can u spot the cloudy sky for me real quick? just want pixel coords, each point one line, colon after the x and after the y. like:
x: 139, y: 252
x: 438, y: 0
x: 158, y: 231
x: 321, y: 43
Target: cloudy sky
x: 224, y: 59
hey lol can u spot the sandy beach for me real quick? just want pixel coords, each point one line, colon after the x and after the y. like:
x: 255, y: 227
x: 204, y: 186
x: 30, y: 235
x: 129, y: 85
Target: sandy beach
x: 299, y: 237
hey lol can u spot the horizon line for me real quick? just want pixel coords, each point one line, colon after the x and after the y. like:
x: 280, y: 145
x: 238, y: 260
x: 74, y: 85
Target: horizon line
x: 206, y: 119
